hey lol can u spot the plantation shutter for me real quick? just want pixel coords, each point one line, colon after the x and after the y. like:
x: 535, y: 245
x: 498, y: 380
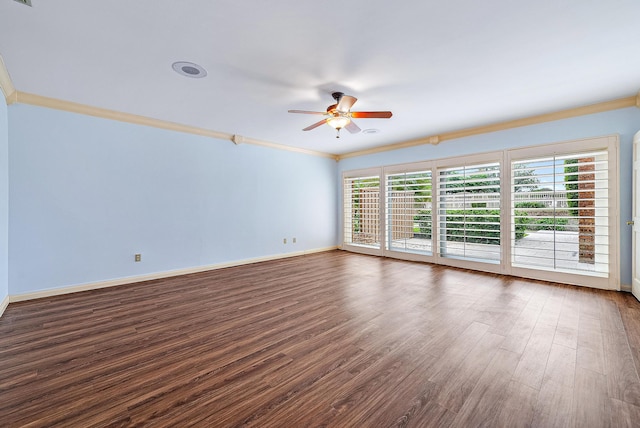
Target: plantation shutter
x: 560, y: 213
x: 548, y: 212
x: 361, y: 216
x: 408, y: 212
x: 469, y: 212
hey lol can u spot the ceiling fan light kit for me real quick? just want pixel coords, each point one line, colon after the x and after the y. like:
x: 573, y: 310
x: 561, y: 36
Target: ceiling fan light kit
x: 339, y: 115
x: 338, y: 122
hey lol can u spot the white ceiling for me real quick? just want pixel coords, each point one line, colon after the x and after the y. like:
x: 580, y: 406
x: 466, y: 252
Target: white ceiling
x: 439, y: 66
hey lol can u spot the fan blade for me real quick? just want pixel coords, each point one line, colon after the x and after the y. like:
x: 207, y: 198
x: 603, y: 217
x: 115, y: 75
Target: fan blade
x: 371, y: 114
x: 352, y: 127
x: 307, y: 112
x: 315, y: 125
x: 345, y: 103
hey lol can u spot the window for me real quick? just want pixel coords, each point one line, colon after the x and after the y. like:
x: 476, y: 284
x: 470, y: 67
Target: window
x: 546, y: 212
x: 362, y: 211
x: 408, y: 212
x: 559, y: 214
x: 469, y: 212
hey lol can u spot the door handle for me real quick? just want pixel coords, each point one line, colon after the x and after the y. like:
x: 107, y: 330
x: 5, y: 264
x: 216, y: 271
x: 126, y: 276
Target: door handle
x: 630, y: 223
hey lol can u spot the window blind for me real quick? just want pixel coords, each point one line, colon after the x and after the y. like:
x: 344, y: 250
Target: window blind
x: 408, y: 212
x: 469, y: 212
x: 362, y: 211
x: 559, y: 213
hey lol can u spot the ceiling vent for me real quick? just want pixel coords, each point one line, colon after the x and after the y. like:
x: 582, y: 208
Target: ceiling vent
x: 188, y: 69
x: 24, y: 2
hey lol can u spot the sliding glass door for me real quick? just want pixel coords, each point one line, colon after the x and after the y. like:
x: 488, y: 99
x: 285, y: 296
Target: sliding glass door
x: 563, y: 214
x: 408, y: 209
x: 468, y: 215
x: 361, y: 216
x: 546, y: 212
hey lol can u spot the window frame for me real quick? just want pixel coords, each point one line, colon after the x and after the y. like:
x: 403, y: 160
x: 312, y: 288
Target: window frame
x: 610, y: 144
x: 505, y: 158
x: 471, y: 160
x: 350, y: 246
x: 410, y: 168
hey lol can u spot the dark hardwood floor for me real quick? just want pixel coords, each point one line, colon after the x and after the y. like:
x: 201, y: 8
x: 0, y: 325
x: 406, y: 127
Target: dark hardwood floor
x: 330, y: 339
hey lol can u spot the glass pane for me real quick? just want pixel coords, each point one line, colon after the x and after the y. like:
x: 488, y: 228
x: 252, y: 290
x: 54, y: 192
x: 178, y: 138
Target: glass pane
x: 560, y: 213
x: 362, y: 211
x: 408, y: 208
x: 469, y: 212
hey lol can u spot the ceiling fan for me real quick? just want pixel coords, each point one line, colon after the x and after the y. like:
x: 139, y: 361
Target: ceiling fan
x: 339, y: 115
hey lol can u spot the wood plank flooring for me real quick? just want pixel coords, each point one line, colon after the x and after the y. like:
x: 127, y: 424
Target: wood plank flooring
x: 331, y: 339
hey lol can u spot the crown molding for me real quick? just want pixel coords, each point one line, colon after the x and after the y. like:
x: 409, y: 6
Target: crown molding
x: 14, y: 96
x: 256, y: 142
x: 542, y: 118
x: 57, y: 104
x: 54, y: 103
x: 632, y: 101
x: 41, y: 101
x: 6, y: 85
x: 434, y: 140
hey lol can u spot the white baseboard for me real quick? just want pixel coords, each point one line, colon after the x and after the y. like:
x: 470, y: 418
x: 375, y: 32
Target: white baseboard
x: 625, y: 287
x: 4, y: 304
x: 148, y: 277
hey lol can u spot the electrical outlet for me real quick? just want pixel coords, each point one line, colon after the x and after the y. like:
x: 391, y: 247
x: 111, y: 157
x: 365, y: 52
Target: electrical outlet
x: 294, y: 240
x: 138, y: 257
x: 284, y: 241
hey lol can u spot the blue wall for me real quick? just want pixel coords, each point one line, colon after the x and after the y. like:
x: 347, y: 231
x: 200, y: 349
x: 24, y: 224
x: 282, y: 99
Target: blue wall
x: 86, y: 194
x: 625, y: 122
x: 4, y: 200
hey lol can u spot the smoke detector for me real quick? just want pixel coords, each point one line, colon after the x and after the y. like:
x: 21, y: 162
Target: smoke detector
x: 188, y: 69
x: 24, y: 2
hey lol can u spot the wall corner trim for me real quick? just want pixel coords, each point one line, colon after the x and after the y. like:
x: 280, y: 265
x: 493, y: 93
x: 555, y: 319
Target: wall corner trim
x: 12, y: 98
x: 6, y: 84
x: 4, y: 304
x: 237, y: 139
x: 157, y: 275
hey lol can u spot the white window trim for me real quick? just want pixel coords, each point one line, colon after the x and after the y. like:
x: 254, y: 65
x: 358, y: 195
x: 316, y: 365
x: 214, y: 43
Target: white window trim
x: 411, y: 167
x: 368, y: 172
x: 611, y: 145
x: 469, y: 160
